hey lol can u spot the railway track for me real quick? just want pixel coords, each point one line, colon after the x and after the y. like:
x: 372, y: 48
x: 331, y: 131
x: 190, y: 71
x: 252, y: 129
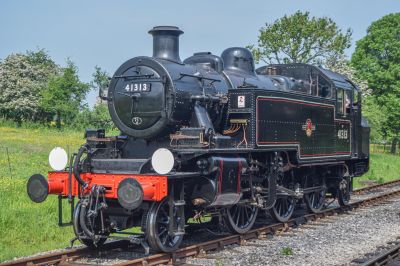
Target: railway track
x: 375, y: 187
x: 389, y: 257
x: 69, y: 256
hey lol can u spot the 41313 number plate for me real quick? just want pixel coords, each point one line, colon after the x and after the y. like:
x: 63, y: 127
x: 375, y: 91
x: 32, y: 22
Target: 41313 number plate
x: 138, y: 87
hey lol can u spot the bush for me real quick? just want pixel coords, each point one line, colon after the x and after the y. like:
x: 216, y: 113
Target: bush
x: 96, y: 118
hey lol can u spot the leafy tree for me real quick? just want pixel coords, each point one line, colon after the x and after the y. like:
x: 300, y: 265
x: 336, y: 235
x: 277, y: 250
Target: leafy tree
x: 300, y: 38
x: 99, y: 117
x: 377, y: 58
x: 100, y: 80
x: 343, y: 66
x: 23, y: 77
x: 65, y: 94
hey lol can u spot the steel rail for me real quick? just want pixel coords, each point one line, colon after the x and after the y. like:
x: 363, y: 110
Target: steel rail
x: 384, y: 258
x: 64, y: 256
x: 377, y: 186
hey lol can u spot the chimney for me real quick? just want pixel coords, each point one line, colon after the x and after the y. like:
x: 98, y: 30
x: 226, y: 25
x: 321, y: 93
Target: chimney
x: 166, y: 42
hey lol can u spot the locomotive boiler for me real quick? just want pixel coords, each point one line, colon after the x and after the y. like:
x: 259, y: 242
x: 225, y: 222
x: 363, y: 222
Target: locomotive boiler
x: 210, y: 135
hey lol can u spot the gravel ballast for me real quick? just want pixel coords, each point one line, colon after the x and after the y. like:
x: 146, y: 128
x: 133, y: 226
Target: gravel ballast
x: 337, y: 240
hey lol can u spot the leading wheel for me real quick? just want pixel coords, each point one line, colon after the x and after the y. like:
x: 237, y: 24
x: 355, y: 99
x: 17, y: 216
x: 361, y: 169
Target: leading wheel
x: 343, y: 194
x: 92, y: 236
x: 283, y: 208
x: 240, y: 218
x: 157, y: 227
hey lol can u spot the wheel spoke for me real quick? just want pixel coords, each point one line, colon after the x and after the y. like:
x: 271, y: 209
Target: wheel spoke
x: 312, y: 199
x: 238, y: 216
x: 280, y: 207
x: 245, y: 211
x: 164, y: 240
x: 164, y: 212
x: 162, y: 232
x: 236, y: 212
x: 242, y: 217
x: 286, y: 206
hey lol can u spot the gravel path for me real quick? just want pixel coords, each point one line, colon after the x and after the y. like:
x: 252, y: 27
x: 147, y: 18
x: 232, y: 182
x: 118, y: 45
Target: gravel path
x: 337, y: 240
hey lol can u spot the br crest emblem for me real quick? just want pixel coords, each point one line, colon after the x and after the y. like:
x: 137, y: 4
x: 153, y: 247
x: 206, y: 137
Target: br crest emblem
x: 137, y: 120
x: 308, y: 127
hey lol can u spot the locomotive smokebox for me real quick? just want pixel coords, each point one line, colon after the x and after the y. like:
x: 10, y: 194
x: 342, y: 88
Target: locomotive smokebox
x: 166, y: 43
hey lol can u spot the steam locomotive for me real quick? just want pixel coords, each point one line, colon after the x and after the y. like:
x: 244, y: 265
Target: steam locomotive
x: 210, y: 135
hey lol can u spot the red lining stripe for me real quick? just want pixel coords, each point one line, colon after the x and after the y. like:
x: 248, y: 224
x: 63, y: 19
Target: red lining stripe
x: 325, y: 154
x: 294, y: 101
x: 239, y: 172
x: 221, y: 165
x: 277, y: 142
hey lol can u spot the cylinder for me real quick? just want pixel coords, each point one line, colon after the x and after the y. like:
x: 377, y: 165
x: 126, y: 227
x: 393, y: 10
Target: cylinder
x: 56, y: 185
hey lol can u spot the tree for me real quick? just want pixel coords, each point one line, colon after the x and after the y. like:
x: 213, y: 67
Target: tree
x: 100, y: 80
x: 342, y: 65
x: 98, y: 117
x: 377, y: 58
x: 300, y: 39
x: 65, y: 94
x: 23, y: 77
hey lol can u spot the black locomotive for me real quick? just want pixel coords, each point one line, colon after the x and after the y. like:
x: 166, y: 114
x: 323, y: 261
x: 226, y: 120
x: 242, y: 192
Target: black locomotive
x: 211, y: 136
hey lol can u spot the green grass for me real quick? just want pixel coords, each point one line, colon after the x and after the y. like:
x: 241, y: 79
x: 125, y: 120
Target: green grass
x: 383, y: 168
x: 287, y: 251
x: 27, y: 227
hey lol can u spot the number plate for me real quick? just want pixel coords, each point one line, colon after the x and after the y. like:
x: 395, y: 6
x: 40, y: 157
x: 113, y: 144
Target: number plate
x: 138, y: 87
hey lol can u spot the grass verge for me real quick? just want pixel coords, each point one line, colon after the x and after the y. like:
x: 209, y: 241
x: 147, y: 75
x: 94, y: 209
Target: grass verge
x: 383, y: 168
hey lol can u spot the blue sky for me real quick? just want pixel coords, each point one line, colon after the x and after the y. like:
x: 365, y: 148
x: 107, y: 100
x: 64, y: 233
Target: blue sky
x: 107, y: 33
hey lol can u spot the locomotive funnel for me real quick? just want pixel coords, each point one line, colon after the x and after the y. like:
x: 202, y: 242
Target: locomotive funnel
x: 166, y: 42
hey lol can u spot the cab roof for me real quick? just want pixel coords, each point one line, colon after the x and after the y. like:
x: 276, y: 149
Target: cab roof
x: 304, y: 71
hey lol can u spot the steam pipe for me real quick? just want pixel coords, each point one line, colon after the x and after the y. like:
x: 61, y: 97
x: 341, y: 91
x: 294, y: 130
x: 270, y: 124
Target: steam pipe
x: 203, y: 119
x: 77, y: 173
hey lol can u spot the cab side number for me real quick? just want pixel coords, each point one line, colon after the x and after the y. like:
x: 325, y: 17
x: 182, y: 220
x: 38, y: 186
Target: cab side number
x: 342, y: 134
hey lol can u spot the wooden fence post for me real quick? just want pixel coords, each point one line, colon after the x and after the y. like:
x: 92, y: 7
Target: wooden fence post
x: 9, y: 163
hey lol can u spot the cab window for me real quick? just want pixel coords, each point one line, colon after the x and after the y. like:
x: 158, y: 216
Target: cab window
x: 339, y: 101
x: 347, y: 102
x: 324, y: 88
